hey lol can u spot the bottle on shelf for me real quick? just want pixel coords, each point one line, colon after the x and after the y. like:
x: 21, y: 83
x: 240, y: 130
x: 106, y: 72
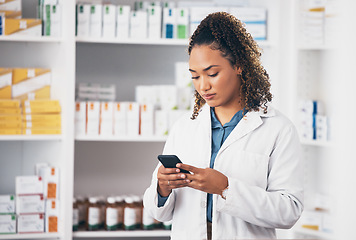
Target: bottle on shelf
x: 120, y: 205
x: 75, y: 215
x: 138, y: 208
x: 93, y: 220
x: 111, y: 214
x: 129, y: 214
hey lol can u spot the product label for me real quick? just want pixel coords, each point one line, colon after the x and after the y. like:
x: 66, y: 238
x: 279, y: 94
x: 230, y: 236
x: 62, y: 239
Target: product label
x: 93, y: 216
x: 7, y: 223
x: 112, y: 217
x: 130, y: 217
x: 75, y: 217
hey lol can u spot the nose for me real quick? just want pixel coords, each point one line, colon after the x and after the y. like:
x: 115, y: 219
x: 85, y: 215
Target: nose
x: 204, y: 84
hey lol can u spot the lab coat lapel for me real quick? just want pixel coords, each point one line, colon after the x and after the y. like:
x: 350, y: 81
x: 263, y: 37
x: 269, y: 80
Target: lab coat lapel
x: 205, y: 131
x: 247, y: 124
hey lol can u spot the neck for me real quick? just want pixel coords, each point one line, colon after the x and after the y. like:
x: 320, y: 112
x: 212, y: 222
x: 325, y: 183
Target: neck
x: 225, y: 114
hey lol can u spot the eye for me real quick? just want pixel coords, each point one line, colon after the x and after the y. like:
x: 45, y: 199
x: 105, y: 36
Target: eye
x: 213, y: 75
x: 195, y: 77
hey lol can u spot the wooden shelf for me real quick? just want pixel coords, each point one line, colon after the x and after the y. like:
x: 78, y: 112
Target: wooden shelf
x: 110, y: 234
x: 31, y: 236
x: 122, y: 138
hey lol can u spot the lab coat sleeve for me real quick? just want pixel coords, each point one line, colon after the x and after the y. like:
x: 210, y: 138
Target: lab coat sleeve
x: 281, y: 204
x: 150, y: 199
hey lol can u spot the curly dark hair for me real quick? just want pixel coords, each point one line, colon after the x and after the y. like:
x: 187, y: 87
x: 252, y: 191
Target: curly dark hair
x: 224, y: 32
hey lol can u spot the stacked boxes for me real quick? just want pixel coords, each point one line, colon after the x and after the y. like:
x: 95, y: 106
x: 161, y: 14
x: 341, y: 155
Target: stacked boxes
x: 42, y: 117
x: 5, y: 83
x: 313, y: 124
x: 7, y: 214
x: 10, y: 117
x: 313, y: 22
x: 96, y: 92
x: 106, y: 118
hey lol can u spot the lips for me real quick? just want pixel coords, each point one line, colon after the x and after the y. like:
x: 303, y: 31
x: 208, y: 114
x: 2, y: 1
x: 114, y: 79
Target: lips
x: 208, y: 96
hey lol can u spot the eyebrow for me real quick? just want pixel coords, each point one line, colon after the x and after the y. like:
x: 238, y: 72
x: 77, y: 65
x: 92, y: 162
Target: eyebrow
x: 205, y: 69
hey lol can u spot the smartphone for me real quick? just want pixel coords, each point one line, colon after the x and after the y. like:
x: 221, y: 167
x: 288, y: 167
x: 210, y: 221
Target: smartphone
x: 170, y: 161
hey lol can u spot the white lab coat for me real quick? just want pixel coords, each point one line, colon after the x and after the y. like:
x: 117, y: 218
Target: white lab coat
x: 261, y: 158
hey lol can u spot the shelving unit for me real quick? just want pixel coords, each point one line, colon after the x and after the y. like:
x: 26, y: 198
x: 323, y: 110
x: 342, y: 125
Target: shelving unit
x: 42, y: 39
x: 31, y: 137
x: 121, y: 138
x: 31, y: 236
x: 118, y: 234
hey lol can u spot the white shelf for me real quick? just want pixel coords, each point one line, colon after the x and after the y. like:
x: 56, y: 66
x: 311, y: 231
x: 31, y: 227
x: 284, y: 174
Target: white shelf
x: 136, y: 233
x: 121, y: 138
x: 30, y: 137
x: 162, y: 41
x: 41, y: 39
x: 31, y: 236
x: 314, y: 233
x: 315, y: 143
x: 316, y: 47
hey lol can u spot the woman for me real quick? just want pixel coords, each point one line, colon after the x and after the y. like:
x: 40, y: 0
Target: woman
x: 246, y: 172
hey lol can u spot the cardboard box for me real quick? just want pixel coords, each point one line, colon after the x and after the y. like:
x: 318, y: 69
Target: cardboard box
x: 41, y: 93
x: 10, y: 111
x: 42, y: 118
x: 30, y: 204
x: 123, y: 22
x: 29, y: 85
x: 96, y: 20
x: 138, y: 25
x: 147, y: 119
x: 7, y: 204
x: 93, y: 118
x: 109, y: 21
x: 182, y: 23
x: 133, y: 119
x: 11, y: 14
x: 168, y: 97
x: 161, y: 123
x: 23, y: 27
x: 12, y: 124
x: 42, y: 125
x: 50, y: 176
x: 10, y: 5
x: 145, y: 94
x: 154, y: 22
x: 5, y: 83
x: 10, y: 131
x: 7, y: 223
x: 83, y: 20
x: 30, y: 131
x: 169, y: 24
x: 120, y: 119
x: 29, y: 185
x: 30, y: 223
x: 48, y: 109
x: 7, y: 103
x: 52, y: 215
x: 10, y: 118
x: 80, y: 118
x: 106, y: 118
x: 22, y: 74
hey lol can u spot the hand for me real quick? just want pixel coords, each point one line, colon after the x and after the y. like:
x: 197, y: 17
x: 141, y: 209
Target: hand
x: 205, y: 179
x: 168, y: 179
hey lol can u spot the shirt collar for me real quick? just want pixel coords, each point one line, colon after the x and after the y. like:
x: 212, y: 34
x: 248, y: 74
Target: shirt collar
x: 215, y: 123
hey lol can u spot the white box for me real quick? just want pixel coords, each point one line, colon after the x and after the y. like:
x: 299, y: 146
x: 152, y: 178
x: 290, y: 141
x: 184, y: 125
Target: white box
x: 168, y: 97
x: 182, y: 23
x: 321, y: 121
x: 106, y: 118
x: 154, y: 22
x: 93, y: 118
x: 169, y: 23
x: 80, y: 118
x: 322, y: 134
x: 30, y: 223
x: 185, y: 98
x: 120, y: 119
x: 52, y: 20
x: 7, y: 204
x: 50, y: 176
x: 109, y: 21
x: 83, y: 20
x: 307, y: 133
x: 14, y: 5
x: 7, y: 223
x: 29, y: 185
x: 161, y: 123
x: 30, y: 204
x: 123, y: 22
x: 96, y: 20
x: 133, y: 119
x: 145, y: 94
x: 52, y: 215
x: 138, y: 28
x: 147, y: 119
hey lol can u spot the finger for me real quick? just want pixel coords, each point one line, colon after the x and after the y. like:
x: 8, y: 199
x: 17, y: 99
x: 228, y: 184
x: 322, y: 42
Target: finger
x: 169, y: 170
x: 178, y: 183
x: 187, y: 167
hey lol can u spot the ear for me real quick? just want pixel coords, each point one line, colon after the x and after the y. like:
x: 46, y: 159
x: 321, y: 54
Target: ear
x: 238, y: 70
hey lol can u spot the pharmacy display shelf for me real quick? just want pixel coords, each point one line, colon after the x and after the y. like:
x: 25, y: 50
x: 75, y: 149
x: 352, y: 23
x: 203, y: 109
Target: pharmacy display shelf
x: 30, y: 137
x: 31, y: 236
x: 314, y: 233
x: 315, y: 143
x: 116, y: 234
x: 121, y: 138
x: 40, y: 39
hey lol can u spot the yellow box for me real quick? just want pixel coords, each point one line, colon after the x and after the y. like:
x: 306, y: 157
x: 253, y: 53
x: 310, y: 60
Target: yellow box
x: 11, y: 14
x: 50, y: 109
x: 5, y: 83
x: 27, y: 27
x: 42, y: 93
x: 41, y: 125
x: 13, y: 124
x: 10, y: 131
x: 10, y: 111
x: 41, y: 131
x: 5, y: 118
x: 30, y: 85
x: 9, y: 103
x: 44, y: 103
x: 42, y: 117
x: 22, y: 74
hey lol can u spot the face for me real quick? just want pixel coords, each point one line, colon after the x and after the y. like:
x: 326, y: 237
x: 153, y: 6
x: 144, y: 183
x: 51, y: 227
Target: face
x: 214, y: 78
